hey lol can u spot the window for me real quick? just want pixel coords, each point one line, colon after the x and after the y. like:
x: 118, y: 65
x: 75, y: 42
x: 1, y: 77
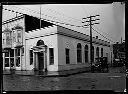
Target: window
x: 8, y: 41
x: 7, y: 54
x: 97, y: 52
x: 67, y: 56
x: 22, y: 50
x: 51, y: 56
x: 86, y: 53
x: 92, y: 53
x: 12, y: 57
x: 7, y: 59
x: 31, y: 57
x: 79, y: 53
x: 6, y: 62
x: 19, y: 36
x: 101, y: 52
x: 17, y: 57
x: 14, y: 36
x: 12, y: 53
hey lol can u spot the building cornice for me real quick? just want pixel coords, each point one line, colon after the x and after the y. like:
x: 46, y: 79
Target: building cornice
x: 78, y: 35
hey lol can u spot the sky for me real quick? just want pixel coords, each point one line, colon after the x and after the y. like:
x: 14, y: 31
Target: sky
x: 112, y: 17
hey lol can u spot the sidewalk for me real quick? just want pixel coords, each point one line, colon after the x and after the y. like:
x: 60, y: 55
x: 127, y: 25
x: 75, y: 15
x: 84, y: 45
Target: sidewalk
x: 44, y: 74
x: 60, y: 74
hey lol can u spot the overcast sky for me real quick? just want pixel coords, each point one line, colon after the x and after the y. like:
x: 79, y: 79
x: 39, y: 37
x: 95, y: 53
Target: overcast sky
x: 112, y: 17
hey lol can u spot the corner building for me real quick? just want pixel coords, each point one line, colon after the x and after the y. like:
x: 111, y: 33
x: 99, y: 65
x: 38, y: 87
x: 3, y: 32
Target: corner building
x: 51, y: 48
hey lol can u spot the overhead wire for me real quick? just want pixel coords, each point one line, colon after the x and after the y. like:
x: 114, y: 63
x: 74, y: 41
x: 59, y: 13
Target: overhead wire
x: 38, y: 13
x: 108, y: 35
x: 103, y: 35
x: 62, y: 14
x: 66, y: 24
x: 43, y: 18
x: 98, y: 29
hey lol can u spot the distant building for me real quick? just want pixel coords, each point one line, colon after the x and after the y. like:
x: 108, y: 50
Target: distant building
x: 52, y: 47
x: 119, y: 50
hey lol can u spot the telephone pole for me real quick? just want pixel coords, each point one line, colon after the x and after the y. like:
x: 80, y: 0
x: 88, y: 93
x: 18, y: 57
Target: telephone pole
x: 90, y: 24
x: 40, y: 16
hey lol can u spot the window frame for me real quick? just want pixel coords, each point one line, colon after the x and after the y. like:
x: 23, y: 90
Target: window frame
x: 79, y: 53
x: 31, y: 56
x: 51, y: 57
x: 93, y: 52
x: 67, y: 55
x: 97, y: 52
x: 86, y: 53
x: 102, y: 52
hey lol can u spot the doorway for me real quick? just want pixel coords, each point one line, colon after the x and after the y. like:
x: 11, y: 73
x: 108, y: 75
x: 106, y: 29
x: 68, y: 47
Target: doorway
x: 41, y: 60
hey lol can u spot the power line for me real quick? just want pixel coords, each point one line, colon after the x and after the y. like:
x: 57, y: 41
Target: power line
x: 105, y: 33
x: 97, y: 31
x: 103, y: 36
x: 58, y: 22
x: 41, y: 14
x: 62, y: 14
x: 38, y: 13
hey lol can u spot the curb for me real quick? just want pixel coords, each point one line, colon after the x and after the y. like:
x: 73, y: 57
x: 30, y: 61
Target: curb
x: 59, y: 75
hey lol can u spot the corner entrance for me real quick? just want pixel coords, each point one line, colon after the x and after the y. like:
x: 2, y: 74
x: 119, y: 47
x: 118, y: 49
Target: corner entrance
x: 41, y: 60
x: 40, y: 51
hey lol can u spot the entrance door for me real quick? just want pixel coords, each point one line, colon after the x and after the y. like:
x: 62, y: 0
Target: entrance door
x: 41, y: 60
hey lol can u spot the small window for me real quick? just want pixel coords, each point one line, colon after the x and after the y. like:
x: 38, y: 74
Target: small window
x: 7, y: 54
x: 79, y: 53
x: 92, y: 53
x: 86, y: 53
x: 51, y: 56
x: 12, y: 53
x: 67, y: 56
x: 97, y: 52
x: 17, y: 52
x: 101, y: 52
x: 31, y: 57
x: 6, y: 62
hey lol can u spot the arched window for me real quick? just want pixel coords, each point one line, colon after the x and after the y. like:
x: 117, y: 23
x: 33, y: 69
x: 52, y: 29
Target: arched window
x: 97, y: 52
x: 79, y: 53
x: 92, y: 53
x: 101, y: 52
x: 40, y: 42
x: 86, y: 53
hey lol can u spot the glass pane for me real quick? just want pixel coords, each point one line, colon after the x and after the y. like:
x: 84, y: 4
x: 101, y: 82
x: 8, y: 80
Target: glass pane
x: 18, y: 52
x: 12, y: 53
x: 8, y: 39
x: 86, y: 56
x: 14, y: 36
x: 31, y: 57
x: 12, y: 62
x: 7, y: 54
x: 18, y: 62
x: 6, y: 62
x: 51, y: 55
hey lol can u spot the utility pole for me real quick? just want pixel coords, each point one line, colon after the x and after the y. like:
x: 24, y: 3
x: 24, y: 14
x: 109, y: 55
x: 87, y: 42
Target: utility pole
x: 90, y: 24
x: 40, y: 16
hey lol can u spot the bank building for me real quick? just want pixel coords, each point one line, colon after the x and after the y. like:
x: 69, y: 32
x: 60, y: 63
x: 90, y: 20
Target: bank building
x: 26, y: 46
